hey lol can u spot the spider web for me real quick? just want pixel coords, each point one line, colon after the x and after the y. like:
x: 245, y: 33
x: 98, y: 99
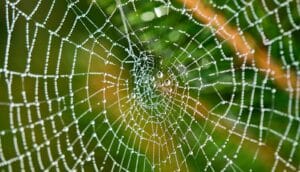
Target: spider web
x: 150, y: 85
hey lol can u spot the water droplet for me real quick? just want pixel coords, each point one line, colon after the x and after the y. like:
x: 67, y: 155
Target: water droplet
x: 160, y: 74
x: 168, y: 82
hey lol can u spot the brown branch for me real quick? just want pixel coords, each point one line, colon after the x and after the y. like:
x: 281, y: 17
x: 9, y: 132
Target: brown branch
x: 243, y: 44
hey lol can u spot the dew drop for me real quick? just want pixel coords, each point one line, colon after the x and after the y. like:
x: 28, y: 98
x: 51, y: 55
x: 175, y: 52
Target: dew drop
x: 160, y: 74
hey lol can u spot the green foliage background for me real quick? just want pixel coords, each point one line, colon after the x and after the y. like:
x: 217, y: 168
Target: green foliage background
x: 168, y: 42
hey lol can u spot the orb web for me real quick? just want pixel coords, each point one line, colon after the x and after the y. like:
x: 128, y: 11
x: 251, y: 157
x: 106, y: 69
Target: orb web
x: 150, y: 85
